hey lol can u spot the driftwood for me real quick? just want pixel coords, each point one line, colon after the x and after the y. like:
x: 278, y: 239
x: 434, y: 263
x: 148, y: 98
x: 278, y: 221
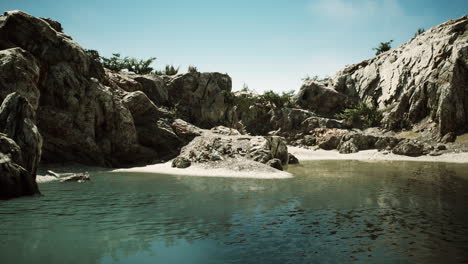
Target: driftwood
x: 70, y: 177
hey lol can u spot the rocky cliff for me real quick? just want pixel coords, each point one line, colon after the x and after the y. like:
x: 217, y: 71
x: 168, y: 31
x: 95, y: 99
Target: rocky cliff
x: 91, y: 115
x: 424, y: 80
x: 20, y: 147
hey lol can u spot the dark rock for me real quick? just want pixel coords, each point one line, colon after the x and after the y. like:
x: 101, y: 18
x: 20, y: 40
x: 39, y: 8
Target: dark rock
x: 17, y: 121
x: 181, y: 163
x: 278, y: 149
x: 384, y: 143
x: 20, y: 148
x: 409, y: 148
x: 309, y: 140
x: 185, y: 130
x: 348, y: 147
x: 328, y: 139
x: 353, y: 142
x: 449, y: 137
x: 15, y: 181
x: 441, y: 147
x: 54, y: 24
x: 293, y: 159
x: 275, y: 163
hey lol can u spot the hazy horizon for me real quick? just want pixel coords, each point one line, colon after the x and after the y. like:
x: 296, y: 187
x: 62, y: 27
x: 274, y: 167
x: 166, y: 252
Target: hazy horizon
x: 269, y: 45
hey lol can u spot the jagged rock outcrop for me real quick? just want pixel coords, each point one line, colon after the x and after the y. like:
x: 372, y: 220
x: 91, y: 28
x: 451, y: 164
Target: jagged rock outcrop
x: 19, y: 73
x: 200, y: 97
x: 83, y: 114
x: 319, y: 98
x: 20, y: 148
x: 17, y: 121
x: 424, y: 79
x: 152, y: 85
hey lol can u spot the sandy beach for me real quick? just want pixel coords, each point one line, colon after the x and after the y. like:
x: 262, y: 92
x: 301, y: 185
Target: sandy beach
x: 247, y: 169
x: 244, y: 169
x: 373, y: 155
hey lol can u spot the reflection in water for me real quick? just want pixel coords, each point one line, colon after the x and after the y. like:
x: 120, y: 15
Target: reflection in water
x: 331, y: 212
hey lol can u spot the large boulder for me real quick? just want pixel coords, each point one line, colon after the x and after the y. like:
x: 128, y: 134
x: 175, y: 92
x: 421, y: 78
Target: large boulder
x: 17, y: 121
x: 15, y: 181
x: 18, y: 160
x: 153, y: 126
x: 425, y: 78
x: 211, y: 148
x: 319, y: 98
x: 353, y: 142
x: 200, y: 97
x: 328, y: 138
x: 409, y: 147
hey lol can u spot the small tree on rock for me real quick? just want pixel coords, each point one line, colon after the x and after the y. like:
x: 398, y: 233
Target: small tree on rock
x: 383, y: 47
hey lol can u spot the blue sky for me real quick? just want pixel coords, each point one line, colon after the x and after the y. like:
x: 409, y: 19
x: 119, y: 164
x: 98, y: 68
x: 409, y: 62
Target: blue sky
x: 267, y: 44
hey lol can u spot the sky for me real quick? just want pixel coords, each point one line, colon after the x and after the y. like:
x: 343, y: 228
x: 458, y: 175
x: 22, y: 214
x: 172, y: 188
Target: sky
x: 265, y: 44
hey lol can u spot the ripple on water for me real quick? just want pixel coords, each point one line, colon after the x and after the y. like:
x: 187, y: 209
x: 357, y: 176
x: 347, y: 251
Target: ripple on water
x: 331, y: 212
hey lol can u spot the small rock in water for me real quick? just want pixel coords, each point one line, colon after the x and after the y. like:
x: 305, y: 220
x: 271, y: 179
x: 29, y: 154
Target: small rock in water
x: 292, y: 159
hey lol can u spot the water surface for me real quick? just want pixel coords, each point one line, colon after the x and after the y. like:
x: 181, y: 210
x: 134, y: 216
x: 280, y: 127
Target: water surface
x: 330, y: 212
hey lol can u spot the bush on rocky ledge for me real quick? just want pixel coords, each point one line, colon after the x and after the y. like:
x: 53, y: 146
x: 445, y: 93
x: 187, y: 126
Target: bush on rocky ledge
x: 117, y: 63
x: 361, y: 115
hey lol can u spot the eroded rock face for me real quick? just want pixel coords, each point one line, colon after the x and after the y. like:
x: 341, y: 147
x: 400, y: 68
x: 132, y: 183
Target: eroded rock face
x: 83, y: 114
x: 19, y: 72
x: 17, y: 121
x: 319, y: 98
x: 426, y: 77
x: 20, y: 148
x: 199, y: 97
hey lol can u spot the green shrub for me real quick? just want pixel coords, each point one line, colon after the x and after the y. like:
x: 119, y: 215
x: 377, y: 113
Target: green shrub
x: 117, y: 63
x: 419, y: 32
x: 138, y: 66
x: 114, y: 63
x: 277, y: 100
x: 93, y: 54
x: 192, y: 69
x: 361, y: 114
x: 315, y: 78
x: 383, y: 47
x: 168, y: 70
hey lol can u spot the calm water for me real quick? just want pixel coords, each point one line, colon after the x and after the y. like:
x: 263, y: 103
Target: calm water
x: 331, y: 212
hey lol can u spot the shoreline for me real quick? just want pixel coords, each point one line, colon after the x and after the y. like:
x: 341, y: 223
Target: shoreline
x: 261, y: 171
x: 373, y: 155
